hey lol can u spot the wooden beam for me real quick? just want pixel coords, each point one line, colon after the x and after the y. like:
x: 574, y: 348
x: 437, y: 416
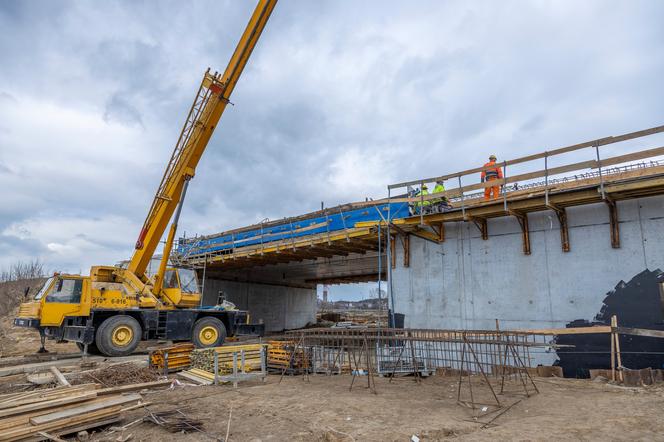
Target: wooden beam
x: 406, y: 250
x: 522, y: 218
x: 613, y: 223
x: 425, y: 234
x: 393, y: 251
x: 83, y: 409
x: 640, y: 332
x: 60, y: 377
x: 133, y: 387
x: 569, y: 331
x: 561, y: 213
x: 482, y: 225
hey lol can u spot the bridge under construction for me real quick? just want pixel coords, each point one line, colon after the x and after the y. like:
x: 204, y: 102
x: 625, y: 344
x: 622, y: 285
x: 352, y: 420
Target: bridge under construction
x: 543, y: 254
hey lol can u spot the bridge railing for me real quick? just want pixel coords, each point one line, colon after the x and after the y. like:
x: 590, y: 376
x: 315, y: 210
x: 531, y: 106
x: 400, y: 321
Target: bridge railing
x: 599, y: 169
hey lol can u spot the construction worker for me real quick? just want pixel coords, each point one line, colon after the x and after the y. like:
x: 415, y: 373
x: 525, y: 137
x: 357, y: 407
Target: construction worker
x: 422, y: 206
x: 493, y: 174
x: 440, y: 204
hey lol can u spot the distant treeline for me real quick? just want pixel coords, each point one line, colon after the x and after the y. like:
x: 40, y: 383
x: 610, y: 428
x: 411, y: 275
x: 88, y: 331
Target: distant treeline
x: 23, y: 270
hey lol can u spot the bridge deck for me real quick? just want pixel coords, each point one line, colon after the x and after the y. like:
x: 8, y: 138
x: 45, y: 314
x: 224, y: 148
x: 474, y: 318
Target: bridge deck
x: 608, y: 180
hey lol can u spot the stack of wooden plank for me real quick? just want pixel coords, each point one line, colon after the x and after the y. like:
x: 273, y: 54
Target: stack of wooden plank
x: 203, y: 359
x: 286, y: 355
x: 40, y: 414
x: 176, y: 357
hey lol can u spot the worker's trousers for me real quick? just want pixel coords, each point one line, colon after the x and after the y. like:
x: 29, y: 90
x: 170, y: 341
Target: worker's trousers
x: 493, y: 189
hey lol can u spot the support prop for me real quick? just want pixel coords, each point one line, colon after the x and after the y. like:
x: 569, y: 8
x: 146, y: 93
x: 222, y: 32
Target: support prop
x: 561, y: 213
x: 525, y: 233
x: 613, y: 221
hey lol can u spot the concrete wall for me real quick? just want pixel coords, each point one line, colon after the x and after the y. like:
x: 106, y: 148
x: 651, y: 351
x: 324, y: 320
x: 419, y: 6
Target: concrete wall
x: 280, y: 307
x: 466, y: 282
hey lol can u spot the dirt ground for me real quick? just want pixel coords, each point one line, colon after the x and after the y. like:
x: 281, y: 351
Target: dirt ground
x: 323, y: 409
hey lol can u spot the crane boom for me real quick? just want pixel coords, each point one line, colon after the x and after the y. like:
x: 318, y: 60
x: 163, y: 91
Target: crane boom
x: 115, y: 307
x: 208, y: 106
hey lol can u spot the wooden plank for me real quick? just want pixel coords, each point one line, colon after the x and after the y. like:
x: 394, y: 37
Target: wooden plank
x: 615, y: 188
x: 640, y: 332
x: 76, y: 428
x: 39, y: 366
x: 25, y: 431
x: 133, y: 387
x: 47, y: 394
x: 60, y: 377
x: 84, y: 409
x: 567, y: 331
x: 47, y: 404
x: 24, y: 418
x: 194, y: 378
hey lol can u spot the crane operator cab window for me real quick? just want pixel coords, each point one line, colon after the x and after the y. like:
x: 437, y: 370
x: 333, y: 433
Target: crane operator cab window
x: 66, y: 291
x: 171, y: 280
x: 187, y: 283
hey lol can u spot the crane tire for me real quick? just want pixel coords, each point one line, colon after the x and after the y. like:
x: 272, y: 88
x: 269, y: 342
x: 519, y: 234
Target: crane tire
x: 118, y: 335
x: 208, y: 332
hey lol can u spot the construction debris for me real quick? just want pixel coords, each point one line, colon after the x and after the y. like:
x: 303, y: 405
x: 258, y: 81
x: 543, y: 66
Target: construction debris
x: 175, y: 421
x: 51, y: 413
x: 119, y: 374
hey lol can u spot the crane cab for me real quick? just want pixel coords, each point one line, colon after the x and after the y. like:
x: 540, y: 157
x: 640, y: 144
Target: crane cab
x: 61, y: 296
x: 181, y: 287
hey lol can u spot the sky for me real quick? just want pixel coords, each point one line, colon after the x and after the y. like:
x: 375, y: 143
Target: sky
x: 339, y: 99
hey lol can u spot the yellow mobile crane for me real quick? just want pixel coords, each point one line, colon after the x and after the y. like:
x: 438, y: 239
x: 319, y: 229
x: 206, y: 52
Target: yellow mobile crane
x: 114, y: 308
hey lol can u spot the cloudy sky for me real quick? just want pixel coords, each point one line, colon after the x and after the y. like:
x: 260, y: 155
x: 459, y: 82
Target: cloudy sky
x: 339, y: 99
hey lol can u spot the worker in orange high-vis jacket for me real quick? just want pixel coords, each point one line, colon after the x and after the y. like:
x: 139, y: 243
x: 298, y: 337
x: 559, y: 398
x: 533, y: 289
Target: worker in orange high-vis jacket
x: 493, y: 174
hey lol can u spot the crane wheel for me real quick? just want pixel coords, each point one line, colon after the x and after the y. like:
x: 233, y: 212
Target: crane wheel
x: 118, y: 335
x: 208, y: 332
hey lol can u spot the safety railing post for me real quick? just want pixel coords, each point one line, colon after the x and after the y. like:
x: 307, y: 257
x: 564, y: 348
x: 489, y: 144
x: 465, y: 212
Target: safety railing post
x: 261, y: 238
x: 505, y: 186
x: 343, y: 222
x: 327, y: 226
x: 599, y: 169
x: 292, y: 234
x: 389, y: 204
x: 546, y: 179
x: 422, y: 203
x: 463, y: 205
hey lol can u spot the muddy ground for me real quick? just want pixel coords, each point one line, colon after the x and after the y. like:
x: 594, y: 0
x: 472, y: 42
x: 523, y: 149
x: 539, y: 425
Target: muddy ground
x: 323, y: 409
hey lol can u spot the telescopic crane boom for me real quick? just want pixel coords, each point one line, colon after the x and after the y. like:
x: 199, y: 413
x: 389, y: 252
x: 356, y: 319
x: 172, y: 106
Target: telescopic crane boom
x: 115, y: 308
x: 208, y: 106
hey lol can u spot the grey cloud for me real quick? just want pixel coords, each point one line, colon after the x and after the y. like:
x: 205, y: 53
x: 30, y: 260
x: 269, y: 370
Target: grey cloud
x: 422, y: 88
x: 7, y: 98
x: 119, y: 109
